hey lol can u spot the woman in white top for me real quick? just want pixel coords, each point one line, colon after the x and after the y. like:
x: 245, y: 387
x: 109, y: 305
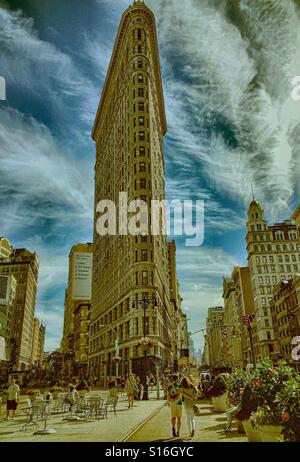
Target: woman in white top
x: 189, y: 393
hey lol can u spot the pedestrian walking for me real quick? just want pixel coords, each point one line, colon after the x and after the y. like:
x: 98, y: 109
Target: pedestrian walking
x: 151, y: 381
x: 130, y: 384
x: 12, y: 399
x: 175, y: 399
x: 189, y: 394
x: 123, y: 385
x: 113, y: 393
x: 71, y: 397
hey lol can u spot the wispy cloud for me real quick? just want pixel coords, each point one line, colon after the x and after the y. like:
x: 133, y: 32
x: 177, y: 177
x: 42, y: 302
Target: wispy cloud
x: 45, y: 185
x: 41, y: 70
x: 229, y: 69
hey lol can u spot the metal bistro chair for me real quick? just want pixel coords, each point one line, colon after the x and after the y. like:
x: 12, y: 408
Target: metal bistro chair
x: 34, y: 412
x: 82, y: 408
x: 59, y: 407
x: 93, y: 407
x: 112, y: 405
x: 103, y: 410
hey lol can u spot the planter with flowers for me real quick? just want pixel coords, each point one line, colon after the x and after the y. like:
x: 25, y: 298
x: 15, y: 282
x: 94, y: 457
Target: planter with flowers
x: 146, y: 343
x: 288, y: 402
x: 249, y: 405
x: 269, y: 383
x: 217, y: 392
x: 269, y: 424
x: 235, y: 386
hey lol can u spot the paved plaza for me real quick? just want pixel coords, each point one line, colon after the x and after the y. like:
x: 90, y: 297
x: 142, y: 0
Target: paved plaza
x: 112, y: 429
x: 148, y: 421
x: 209, y: 428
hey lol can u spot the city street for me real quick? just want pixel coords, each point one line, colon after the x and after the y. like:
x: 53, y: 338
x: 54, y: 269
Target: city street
x: 148, y: 421
x: 209, y: 428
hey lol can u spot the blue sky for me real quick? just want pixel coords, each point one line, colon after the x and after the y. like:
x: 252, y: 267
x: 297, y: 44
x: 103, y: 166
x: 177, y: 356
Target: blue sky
x: 227, y: 70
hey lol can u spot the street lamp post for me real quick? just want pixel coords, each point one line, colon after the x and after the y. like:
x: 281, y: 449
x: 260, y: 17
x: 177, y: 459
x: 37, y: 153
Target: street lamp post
x: 117, y: 351
x: 144, y: 303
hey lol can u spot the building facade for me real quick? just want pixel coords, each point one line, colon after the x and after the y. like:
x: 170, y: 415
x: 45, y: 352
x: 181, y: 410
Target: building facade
x: 41, y: 346
x: 35, y: 341
x: 232, y: 332
x: 8, y: 286
x: 128, y: 131
x: 81, y: 338
x: 273, y: 255
x: 24, y: 266
x: 245, y: 307
x: 285, y: 309
x: 296, y: 217
x: 214, y: 337
x: 178, y: 319
x: 76, y: 315
x: 6, y: 248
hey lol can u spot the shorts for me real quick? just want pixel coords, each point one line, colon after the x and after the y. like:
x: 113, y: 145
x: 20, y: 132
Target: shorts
x: 11, y: 404
x: 176, y: 410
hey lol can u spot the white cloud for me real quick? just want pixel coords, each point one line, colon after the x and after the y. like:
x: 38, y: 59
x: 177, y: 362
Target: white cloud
x: 200, y: 272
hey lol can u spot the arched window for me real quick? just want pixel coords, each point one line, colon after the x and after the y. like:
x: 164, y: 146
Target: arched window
x: 140, y: 64
x: 140, y: 78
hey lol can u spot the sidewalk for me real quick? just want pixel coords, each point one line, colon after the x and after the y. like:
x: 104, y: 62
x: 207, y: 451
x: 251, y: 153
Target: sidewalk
x: 111, y: 430
x: 209, y: 428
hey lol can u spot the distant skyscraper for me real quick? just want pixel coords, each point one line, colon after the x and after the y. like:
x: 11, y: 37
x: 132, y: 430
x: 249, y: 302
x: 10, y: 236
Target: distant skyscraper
x: 199, y: 357
x: 77, y: 296
x: 129, y: 128
x: 41, y: 345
